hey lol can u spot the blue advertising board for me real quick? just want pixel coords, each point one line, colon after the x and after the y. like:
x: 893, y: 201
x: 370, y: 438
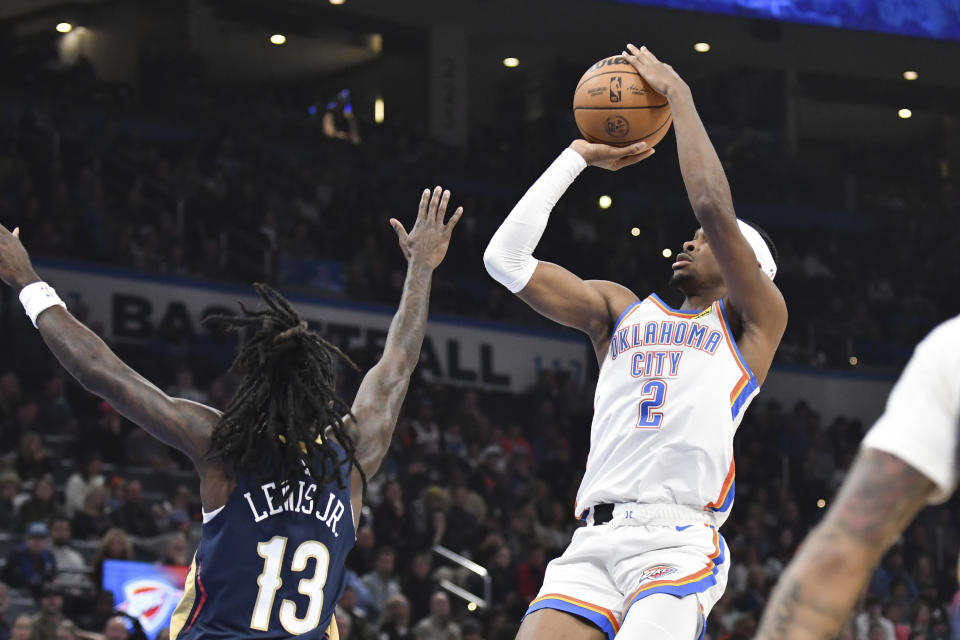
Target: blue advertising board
x: 922, y: 18
x: 148, y: 592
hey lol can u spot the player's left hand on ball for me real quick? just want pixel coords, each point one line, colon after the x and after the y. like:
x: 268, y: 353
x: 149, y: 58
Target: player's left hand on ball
x: 15, y: 267
x: 609, y: 157
x: 659, y: 75
x: 427, y: 242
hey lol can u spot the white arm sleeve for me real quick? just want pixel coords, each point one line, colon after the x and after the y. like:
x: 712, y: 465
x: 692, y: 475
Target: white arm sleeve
x: 509, y: 256
x: 922, y: 416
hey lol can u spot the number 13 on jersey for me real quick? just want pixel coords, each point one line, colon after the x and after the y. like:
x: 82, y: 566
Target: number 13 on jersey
x: 654, y: 394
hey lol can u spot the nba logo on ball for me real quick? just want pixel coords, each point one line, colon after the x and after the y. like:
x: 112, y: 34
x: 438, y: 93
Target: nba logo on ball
x: 653, y: 573
x: 615, y: 86
x: 617, y: 126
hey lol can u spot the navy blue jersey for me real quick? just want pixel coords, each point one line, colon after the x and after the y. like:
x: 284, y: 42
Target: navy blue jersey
x: 269, y: 567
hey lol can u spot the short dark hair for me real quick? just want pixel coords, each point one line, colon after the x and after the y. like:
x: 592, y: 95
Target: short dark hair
x: 766, y: 239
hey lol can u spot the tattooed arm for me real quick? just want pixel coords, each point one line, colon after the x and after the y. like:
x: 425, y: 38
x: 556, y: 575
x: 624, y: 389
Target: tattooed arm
x: 815, y: 595
x: 180, y: 423
x: 384, y: 388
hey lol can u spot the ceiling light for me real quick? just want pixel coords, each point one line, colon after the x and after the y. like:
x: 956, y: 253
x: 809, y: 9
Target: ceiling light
x: 910, y: 75
x: 337, y: 1
x: 605, y: 202
x: 64, y: 27
x: 278, y: 38
x: 510, y: 63
x: 378, y: 112
x: 667, y: 253
x: 635, y: 232
x: 701, y: 47
x: 905, y: 113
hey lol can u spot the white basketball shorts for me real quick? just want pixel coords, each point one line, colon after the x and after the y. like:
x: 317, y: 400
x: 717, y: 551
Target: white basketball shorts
x: 644, y: 549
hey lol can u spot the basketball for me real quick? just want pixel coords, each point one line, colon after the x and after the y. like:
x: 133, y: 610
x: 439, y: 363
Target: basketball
x: 613, y: 104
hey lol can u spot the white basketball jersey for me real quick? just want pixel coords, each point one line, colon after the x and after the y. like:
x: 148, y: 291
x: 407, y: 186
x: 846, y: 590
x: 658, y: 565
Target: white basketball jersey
x: 671, y: 393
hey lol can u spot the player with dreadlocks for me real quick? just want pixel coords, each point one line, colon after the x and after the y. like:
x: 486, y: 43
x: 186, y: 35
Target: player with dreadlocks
x: 283, y: 469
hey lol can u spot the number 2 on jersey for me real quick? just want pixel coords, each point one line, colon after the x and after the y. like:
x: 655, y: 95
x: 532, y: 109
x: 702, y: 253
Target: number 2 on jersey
x: 654, y: 393
x: 269, y: 582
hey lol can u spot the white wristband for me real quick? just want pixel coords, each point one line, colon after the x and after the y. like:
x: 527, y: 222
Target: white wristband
x: 37, y: 297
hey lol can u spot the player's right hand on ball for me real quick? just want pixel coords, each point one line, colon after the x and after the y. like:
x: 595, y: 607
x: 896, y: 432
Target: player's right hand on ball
x: 427, y: 242
x: 611, y: 158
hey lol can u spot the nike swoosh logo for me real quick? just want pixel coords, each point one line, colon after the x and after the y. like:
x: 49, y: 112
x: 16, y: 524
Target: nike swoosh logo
x: 684, y: 527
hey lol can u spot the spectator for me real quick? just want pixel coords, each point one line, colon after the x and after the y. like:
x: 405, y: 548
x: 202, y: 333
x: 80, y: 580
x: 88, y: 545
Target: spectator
x: 472, y: 630
x: 363, y: 554
x: 419, y: 585
x: 82, y: 480
x: 114, y: 546
x: 4, y: 604
x: 22, y: 628
x: 395, y: 623
x: 530, y: 574
x: 55, y: 411
x: 116, y: 629
x: 871, y: 625
x: 48, y: 620
x: 438, y: 625
x: 31, y: 565
x: 350, y: 608
x: 9, y: 486
x: 107, y: 435
x: 344, y: 624
x: 33, y: 459
x: 134, y: 516
x: 9, y: 400
x: 92, y: 521
x: 23, y: 421
x: 381, y: 582
x: 425, y: 428
x: 72, y: 571
x: 186, y: 388
x: 67, y: 631
x: 42, y: 506
x: 176, y: 553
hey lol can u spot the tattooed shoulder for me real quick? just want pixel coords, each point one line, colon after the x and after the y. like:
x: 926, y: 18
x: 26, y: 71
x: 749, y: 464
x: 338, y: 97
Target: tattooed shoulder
x: 880, y: 496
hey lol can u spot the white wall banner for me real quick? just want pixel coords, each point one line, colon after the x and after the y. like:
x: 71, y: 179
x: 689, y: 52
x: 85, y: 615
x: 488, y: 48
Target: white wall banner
x: 133, y: 307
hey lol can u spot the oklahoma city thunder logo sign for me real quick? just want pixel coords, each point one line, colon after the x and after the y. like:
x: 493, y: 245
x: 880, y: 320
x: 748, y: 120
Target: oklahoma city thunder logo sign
x: 657, y: 572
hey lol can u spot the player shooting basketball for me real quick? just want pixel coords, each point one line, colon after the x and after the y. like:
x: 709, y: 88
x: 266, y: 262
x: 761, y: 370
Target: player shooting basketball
x: 672, y: 389
x: 908, y: 460
x: 282, y: 471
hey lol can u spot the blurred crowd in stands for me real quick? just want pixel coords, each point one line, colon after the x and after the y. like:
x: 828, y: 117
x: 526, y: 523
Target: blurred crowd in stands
x: 489, y: 476
x: 196, y: 188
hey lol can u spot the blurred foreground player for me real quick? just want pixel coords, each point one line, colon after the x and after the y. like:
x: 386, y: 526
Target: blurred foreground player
x: 282, y: 473
x: 908, y: 460
x: 672, y: 389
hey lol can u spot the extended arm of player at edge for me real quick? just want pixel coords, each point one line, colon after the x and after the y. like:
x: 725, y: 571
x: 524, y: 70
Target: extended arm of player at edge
x: 382, y: 391
x: 752, y: 293
x: 180, y: 423
x: 817, y: 592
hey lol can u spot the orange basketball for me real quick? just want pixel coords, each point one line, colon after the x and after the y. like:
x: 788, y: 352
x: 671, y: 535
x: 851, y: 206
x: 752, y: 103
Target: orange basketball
x: 613, y: 104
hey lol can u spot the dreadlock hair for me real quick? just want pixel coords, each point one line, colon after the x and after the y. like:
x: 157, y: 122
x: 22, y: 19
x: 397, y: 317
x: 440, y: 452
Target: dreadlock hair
x: 286, y: 411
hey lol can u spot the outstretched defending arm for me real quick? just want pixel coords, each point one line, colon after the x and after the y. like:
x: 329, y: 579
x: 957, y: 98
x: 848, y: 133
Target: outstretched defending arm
x: 383, y: 389
x: 550, y: 289
x: 753, y: 295
x: 179, y: 423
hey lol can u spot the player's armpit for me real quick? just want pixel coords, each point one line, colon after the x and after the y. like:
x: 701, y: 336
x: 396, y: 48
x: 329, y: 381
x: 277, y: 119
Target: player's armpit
x: 180, y: 423
x: 588, y: 305
x: 815, y: 595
